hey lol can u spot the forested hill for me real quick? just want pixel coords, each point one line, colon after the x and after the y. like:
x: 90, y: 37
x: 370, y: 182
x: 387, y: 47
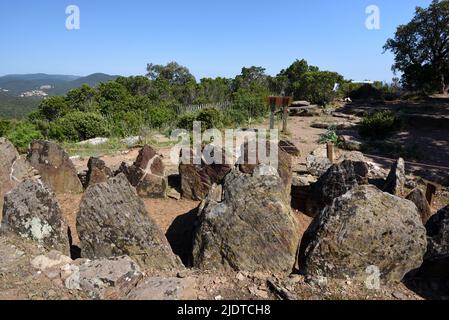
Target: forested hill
x: 53, y: 85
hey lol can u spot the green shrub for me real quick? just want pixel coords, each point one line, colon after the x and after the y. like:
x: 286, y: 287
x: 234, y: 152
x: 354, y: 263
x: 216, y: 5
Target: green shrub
x: 5, y: 127
x: 186, y: 120
x: 161, y: 116
x: 79, y: 126
x: 125, y: 124
x: 210, y: 118
x: 379, y: 125
x: 22, y: 135
x: 233, y: 117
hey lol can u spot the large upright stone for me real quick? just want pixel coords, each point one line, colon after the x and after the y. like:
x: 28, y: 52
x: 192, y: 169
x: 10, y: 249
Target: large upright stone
x: 396, y: 179
x: 113, y: 221
x: 252, y: 229
x: 13, y: 169
x: 363, y: 232
x: 198, y: 179
x: 338, y: 179
x: 97, y: 172
x: 55, y: 167
x: 418, y: 197
x: 284, y: 168
x: 32, y: 212
x: 433, y: 275
x: 147, y: 174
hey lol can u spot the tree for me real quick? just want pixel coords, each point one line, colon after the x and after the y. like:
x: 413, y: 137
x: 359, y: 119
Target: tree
x: 317, y: 86
x: 250, y: 78
x: 83, y: 98
x: 52, y: 108
x: 421, y: 49
x: 173, y: 72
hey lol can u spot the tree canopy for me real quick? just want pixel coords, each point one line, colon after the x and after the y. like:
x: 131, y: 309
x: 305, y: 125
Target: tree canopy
x: 421, y: 49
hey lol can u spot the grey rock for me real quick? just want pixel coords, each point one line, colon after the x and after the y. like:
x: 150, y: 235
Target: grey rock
x: 13, y: 169
x: 396, y: 179
x: 363, y: 229
x: 113, y: 221
x: 97, y: 172
x: 338, y: 179
x: 104, y: 278
x: 251, y: 229
x: 438, y: 235
x: 32, y: 212
x: 55, y: 167
x: 147, y: 174
x: 418, y: 197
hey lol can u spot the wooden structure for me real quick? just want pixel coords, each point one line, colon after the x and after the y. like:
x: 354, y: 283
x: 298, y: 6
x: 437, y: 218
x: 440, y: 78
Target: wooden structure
x: 279, y: 103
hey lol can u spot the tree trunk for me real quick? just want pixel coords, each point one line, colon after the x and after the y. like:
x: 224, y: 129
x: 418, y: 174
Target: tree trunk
x: 445, y: 87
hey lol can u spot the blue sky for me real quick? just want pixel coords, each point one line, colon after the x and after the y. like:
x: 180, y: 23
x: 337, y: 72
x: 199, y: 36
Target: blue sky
x: 210, y: 37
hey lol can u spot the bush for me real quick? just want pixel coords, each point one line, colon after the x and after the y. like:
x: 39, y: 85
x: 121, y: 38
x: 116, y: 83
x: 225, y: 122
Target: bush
x: 23, y: 134
x: 186, y: 120
x: 5, y: 127
x: 161, y: 116
x: 233, y: 117
x: 379, y: 125
x: 125, y: 124
x: 79, y: 126
x: 210, y: 118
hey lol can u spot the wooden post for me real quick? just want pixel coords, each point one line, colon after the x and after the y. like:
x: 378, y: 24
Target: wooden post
x: 430, y: 192
x: 285, y: 119
x: 273, y: 110
x: 330, y: 152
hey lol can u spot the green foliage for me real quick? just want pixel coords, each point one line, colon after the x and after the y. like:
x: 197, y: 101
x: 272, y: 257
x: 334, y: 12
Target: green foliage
x: 317, y: 86
x: 5, y: 127
x: 210, y: 118
x: 379, y: 125
x: 52, y: 108
x: 186, y: 120
x: 126, y: 105
x: 329, y: 136
x: 251, y: 103
x: 17, y: 107
x: 421, y: 49
x: 79, y: 126
x: 161, y: 116
x: 22, y: 135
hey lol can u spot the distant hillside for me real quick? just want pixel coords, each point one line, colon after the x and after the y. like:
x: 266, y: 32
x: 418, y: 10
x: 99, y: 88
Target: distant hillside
x: 91, y: 80
x: 14, y: 85
x: 17, y: 108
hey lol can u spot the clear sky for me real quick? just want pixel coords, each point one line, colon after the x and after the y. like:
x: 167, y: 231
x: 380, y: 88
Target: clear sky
x: 210, y: 37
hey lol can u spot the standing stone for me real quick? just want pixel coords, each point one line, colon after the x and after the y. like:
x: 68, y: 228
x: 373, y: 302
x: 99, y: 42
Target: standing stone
x: 113, y: 221
x: 97, y: 172
x: 438, y: 235
x: 338, y: 179
x: 198, y: 179
x: 396, y: 179
x: 55, y: 167
x: 418, y: 197
x: 251, y: 229
x: 284, y: 161
x: 433, y: 275
x: 32, y: 212
x: 13, y: 169
x: 362, y: 232
x: 147, y: 174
